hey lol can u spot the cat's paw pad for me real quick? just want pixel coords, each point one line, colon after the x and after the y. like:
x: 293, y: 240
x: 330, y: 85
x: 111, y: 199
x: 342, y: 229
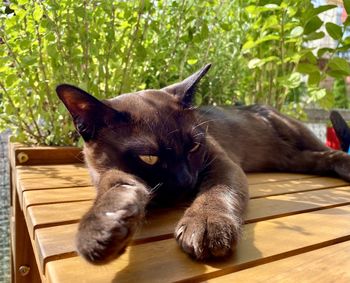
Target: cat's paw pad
x: 205, y: 237
x: 107, y: 229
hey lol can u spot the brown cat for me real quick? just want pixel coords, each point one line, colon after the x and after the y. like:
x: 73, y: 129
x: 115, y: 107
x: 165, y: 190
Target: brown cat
x: 153, y: 145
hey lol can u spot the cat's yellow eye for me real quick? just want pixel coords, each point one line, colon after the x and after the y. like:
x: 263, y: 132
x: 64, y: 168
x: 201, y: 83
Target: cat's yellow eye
x: 195, y: 147
x: 149, y: 159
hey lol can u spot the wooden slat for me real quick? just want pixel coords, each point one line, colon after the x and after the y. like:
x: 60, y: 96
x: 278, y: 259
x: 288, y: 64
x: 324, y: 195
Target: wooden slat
x: 56, y: 176
x: 48, y: 240
x: 55, y: 242
x: 44, y: 171
x: 262, y: 242
x: 161, y: 224
x: 57, y: 195
x: 55, y: 214
x: 45, y: 155
x: 281, y: 205
x: 52, y: 197
x: 329, y: 264
x: 50, y: 183
x: 292, y: 186
x: 54, y: 182
x: 270, y: 177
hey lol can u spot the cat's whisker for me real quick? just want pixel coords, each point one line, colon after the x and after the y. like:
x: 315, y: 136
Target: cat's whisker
x: 174, y: 131
x: 207, y: 164
x: 199, y: 134
x: 155, y: 188
x: 200, y: 124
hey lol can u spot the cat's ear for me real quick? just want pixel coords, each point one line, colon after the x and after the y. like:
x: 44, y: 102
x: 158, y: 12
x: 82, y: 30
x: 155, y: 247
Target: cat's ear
x: 185, y: 90
x: 88, y: 113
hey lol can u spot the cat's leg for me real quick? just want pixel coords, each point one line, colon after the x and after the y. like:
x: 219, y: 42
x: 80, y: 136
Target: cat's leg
x: 321, y: 162
x: 211, y: 226
x: 119, y: 208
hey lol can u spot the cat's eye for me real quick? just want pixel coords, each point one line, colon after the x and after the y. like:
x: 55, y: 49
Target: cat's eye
x: 195, y: 147
x: 149, y: 159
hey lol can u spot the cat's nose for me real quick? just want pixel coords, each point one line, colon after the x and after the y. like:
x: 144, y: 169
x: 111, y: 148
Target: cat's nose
x: 184, y: 179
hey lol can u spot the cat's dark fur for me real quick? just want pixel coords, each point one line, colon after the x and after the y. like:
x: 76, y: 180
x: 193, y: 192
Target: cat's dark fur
x: 202, y: 152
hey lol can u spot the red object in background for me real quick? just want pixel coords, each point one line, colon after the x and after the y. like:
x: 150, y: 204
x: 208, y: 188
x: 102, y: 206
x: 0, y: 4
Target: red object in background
x: 332, y: 140
x: 344, y: 15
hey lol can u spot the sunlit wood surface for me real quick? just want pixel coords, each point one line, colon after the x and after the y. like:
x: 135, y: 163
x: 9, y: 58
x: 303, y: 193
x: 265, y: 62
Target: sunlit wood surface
x: 297, y: 230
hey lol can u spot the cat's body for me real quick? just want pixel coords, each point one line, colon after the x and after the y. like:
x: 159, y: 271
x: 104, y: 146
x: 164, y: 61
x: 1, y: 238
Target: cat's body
x: 153, y: 146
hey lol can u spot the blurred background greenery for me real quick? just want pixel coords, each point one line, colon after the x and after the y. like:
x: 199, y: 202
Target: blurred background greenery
x: 262, y: 52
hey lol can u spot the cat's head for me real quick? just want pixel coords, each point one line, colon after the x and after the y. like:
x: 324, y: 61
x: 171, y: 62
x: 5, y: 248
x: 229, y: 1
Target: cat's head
x: 153, y: 134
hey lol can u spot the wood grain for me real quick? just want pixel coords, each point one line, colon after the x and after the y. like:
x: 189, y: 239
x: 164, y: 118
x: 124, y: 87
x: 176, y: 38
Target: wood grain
x: 37, y: 197
x: 290, y: 218
x: 55, y: 214
x: 328, y: 264
x: 293, y: 186
x: 46, y: 155
x: 160, y: 224
x: 262, y: 242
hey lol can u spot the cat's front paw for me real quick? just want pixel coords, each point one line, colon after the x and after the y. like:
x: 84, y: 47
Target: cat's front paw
x: 106, y: 230
x: 208, y: 235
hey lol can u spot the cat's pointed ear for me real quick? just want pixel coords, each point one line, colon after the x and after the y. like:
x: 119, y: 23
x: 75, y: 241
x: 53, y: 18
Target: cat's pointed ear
x: 185, y: 90
x: 88, y: 113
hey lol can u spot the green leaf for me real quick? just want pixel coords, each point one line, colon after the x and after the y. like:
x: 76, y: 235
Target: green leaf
x: 334, y: 31
x: 336, y: 74
x: 346, y: 40
x: 269, y: 59
x: 315, y: 36
x: 314, y: 78
x: 38, y: 12
x: 306, y: 68
x: 80, y: 12
x: 52, y: 51
x: 29, y: 60
x: 324, y: 8
x: 339, y: 64
x: 346, y: 4
x: 297, y: 31
x: 344, y: 48
x: 11, y: 79
x: 252, y: 64
x: 310, y: 57
x: 327, y: 101
x: 226, y: 26
x: 272, y: 6
x: 323, y: 51
x: 313, y: 25
x: 192, y: 61
x: 347, y: 21
x: 250, y: 44
x: 316, y: 94
x: 294, y: 80
x: 270, y: 22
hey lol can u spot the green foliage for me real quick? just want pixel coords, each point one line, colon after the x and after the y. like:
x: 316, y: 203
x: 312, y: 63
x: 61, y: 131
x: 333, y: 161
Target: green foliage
x: 340, y: 94
x: 277, y: 52
x: 257, y: 48
x: 108, y: 48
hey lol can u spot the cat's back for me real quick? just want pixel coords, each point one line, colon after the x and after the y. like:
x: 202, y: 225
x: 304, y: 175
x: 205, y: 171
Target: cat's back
x: 251, y: 135
x: 240, y: 119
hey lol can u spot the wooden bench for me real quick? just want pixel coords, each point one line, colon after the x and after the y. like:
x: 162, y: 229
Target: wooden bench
x: 297, y: 230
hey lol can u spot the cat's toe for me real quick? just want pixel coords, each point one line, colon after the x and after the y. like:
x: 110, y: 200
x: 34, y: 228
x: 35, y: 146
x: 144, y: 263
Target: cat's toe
x: 207, y: 237
x: 222, y: 235
x: 106, y: 230
x: 190, y: 238
x: 104, y: 237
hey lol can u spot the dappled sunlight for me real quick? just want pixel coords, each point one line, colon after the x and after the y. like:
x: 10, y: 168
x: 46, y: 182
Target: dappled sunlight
x: 291, y: 186
x: 53, y: 176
